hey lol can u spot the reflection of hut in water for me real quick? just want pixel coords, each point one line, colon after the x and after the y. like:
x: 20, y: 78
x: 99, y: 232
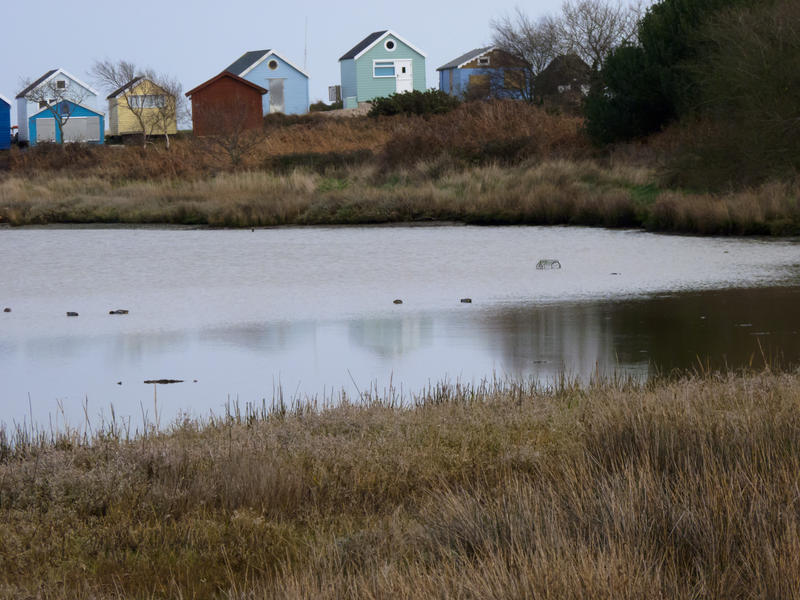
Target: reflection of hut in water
x: 392, y: 337
x: 572, y: 339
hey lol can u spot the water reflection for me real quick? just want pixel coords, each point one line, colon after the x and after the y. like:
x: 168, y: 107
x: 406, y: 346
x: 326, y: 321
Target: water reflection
x: 392, y: 337
x: 714, y: 329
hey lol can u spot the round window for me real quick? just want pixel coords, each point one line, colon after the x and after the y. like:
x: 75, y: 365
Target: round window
x: 273, y: 64
x: 389, y: 45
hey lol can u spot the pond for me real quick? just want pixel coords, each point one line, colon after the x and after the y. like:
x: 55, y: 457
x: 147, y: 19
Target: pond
x: 241, y: 316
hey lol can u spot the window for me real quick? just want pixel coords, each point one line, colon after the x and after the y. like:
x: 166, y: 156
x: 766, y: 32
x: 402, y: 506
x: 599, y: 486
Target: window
x: 483, y: 61
x: 64, y: 109
x: 61, y: 84
x: 383, y: 68
x: 42, y: 104
x: 147, y: 101
x: 390, y: 45
x: 273, y: 64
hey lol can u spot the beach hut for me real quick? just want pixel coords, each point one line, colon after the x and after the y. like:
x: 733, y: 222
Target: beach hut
x: 51, y: 88
x: 5, y: 123
x: 141, y: 106
x: 286, y: 83
x: 381, y: 64
x: 68, y: 122
x: 226, y: 104
x: 483, y: 73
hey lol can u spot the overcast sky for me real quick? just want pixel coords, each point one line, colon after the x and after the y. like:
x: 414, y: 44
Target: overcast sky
x: 194, y: 41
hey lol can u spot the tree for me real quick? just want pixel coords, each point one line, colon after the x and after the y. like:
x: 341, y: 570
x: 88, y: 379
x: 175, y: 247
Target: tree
x: 534, y: 43
x: 644, y: 86
x: 55, y: 94
x: 153, y: 100
x: 593, y: 28
x: 747, y: 114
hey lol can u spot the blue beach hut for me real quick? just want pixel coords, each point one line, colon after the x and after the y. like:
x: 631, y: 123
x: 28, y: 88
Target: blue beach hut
x: 483, y: 73
x: 5, y: 123
x: 287, y: 83
x: 81, y: 124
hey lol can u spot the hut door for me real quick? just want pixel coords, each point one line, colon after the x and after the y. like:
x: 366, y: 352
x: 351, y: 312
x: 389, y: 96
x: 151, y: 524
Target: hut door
x: 405, y: 78
x: 276, y: 101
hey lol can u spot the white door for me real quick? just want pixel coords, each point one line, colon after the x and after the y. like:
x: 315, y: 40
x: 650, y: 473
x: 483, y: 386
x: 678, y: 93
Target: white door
x: 404, y: 76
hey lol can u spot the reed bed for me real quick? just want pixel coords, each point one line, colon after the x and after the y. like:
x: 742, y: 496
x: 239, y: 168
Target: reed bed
x: 554, y: 192
x: 484, y: 163
x: 680, y: 488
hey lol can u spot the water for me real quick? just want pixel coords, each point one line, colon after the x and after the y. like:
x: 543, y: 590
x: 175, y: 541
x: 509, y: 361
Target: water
x: 239, y: 314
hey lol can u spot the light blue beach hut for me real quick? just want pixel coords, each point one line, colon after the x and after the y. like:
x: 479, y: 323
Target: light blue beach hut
x: 381, y: 64
x: 286, y: 82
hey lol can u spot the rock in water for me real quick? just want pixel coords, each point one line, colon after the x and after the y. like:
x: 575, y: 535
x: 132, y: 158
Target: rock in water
x: 397, y: 301
x: 466, y: 301
x: 6, y: 309
x: 119, y: 311
x: 71, y: 313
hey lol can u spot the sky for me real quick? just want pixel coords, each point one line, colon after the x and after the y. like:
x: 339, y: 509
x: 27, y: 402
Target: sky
x: 194, y: 41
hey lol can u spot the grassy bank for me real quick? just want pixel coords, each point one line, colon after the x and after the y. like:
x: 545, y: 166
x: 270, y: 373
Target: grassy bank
x: 534, y: 193
x: 484, y: 163
x: 676, y: 489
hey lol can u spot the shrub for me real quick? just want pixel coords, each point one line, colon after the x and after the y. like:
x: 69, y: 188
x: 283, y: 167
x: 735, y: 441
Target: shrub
x: 430, y: 102
x: 322, y: 107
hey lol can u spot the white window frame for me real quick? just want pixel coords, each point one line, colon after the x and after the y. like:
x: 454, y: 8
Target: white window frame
x: 386, y: 44
x: 484, y: 61
x: 384, y: 63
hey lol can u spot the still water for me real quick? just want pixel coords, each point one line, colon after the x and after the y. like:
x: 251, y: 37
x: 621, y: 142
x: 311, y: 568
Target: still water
x: 239, y: 314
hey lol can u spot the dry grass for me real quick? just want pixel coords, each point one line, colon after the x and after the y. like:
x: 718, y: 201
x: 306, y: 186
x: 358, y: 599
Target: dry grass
x: 485, y: 163
x: 680, y: 489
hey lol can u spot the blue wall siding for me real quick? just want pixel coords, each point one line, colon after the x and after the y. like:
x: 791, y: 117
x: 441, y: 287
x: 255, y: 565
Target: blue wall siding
x: 77, y: 111
x: 461, y: 81
x: 5, y: 125
x: 349, y: 83
x: 295, y: 85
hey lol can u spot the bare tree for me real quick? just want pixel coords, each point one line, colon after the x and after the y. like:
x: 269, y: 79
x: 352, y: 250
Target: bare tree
x: 55, y: 94
x: 173, y: 107
x: 152, y: 99
x: 534, y: 43
x: 593, y: 28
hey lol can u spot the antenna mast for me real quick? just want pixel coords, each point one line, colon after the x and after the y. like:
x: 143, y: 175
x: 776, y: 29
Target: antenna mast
x: 305, y: 48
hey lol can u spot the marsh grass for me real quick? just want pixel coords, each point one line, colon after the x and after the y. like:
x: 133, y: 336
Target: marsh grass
x: 484, y: 163
x: 681, y: 488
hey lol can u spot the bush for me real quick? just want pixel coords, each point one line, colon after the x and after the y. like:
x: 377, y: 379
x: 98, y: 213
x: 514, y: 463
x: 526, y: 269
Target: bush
x: 322, y: 107
x: 430, y: 102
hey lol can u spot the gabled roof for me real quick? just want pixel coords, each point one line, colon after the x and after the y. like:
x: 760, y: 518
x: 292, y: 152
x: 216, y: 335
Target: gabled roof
x: 46, y: 109
x: 459, y: 62
x: 371, y: 40
x: 49, y: 75
x: 118, y: 91
x: 35, y: 83
x: 230, y: 75
x: 246, y: 60
x: 250, y: 60
x: 4, y: 99
x: 132, y: 83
